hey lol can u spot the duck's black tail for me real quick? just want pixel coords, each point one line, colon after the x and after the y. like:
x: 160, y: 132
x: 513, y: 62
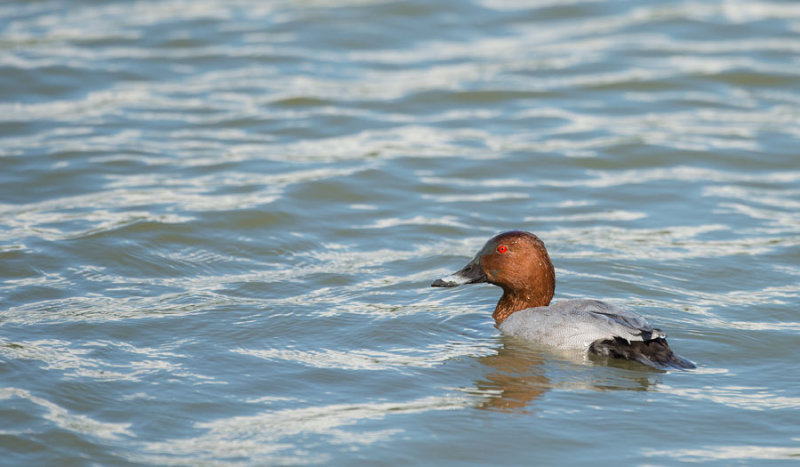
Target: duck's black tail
x: 655, y: 352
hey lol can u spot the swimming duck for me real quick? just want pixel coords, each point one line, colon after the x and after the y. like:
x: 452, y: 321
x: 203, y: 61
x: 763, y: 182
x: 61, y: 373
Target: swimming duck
x: 518, y: 262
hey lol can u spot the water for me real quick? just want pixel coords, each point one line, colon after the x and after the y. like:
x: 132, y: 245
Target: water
x: 221, y: 220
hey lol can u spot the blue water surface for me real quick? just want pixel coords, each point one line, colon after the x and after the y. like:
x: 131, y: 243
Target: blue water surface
x: 220, y: 222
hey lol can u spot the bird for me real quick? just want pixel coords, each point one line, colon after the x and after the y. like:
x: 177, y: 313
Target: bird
x: 518, y: 262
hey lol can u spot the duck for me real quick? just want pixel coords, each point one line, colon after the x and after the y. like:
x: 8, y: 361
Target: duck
x: 518, y: 262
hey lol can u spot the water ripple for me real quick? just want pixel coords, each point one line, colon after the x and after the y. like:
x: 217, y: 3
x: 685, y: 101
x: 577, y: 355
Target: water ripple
x: 65, y: 419
x: 266, y: 436
x: 365, y: 359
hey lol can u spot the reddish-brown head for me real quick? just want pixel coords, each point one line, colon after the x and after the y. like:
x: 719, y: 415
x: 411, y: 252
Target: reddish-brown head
x: 517, y: 262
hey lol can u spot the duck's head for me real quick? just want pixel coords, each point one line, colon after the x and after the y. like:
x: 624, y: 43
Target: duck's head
x: 517, y: 262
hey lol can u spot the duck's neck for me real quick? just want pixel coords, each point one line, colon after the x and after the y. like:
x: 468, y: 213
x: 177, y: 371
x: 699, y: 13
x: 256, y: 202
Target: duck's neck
x: 511, y: 302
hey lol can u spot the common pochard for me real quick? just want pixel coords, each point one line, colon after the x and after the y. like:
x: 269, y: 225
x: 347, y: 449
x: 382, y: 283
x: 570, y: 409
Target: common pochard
x: 518, y: 263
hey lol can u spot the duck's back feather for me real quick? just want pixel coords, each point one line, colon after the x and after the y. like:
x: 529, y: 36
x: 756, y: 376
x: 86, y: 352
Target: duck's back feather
x: 655, y: 353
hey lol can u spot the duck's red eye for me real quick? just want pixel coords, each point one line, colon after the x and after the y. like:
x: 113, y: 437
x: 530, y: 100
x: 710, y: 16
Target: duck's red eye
x: 502, y: 249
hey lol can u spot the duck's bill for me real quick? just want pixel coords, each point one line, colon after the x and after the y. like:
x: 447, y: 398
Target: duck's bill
x: 471, y: 274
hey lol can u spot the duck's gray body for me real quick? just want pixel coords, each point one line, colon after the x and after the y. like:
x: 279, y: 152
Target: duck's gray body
x: 576, y: 324
x: 594, y: 327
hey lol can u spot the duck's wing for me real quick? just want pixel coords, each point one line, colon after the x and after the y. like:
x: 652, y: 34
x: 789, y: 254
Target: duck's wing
x: 633, y: 323
x: 612, y: 320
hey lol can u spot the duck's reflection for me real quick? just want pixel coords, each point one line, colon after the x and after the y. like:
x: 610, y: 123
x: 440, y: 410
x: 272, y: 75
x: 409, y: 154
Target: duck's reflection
x: 515, y: 379
x: 521, y: 373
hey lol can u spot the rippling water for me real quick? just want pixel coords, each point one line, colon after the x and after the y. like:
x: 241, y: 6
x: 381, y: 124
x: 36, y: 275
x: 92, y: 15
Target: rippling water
x: 221, y: 220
